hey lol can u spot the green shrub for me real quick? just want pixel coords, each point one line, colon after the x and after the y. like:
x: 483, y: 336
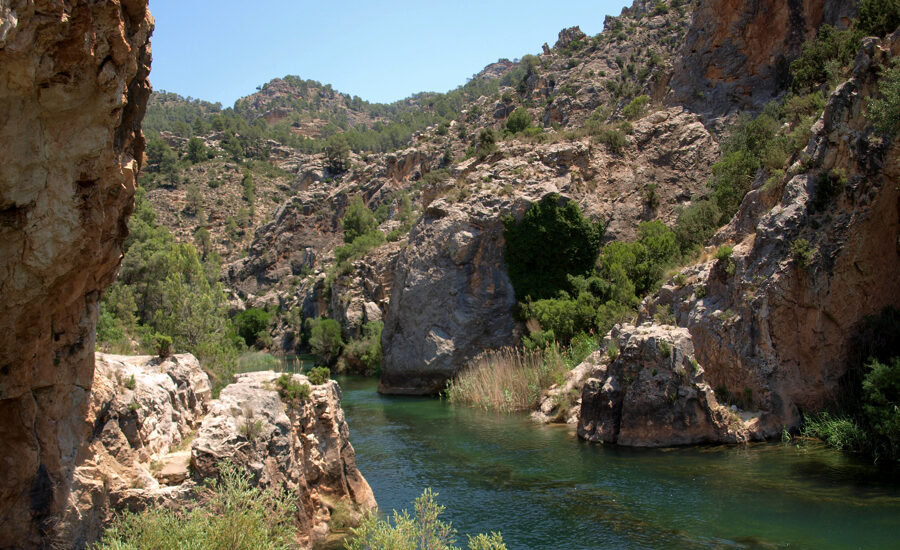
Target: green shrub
x: 163, y: 344
x: 881, y: 404
x: 731, y: 180
x: 884, y: 112
x: 364, y: 355
x: 232, y: 515
x: 612, y: 138
x: 325, y: 338
x: 487, y: 143
x: 518, y: 121
x: 250, y: 323
x: 696, y: 225
x: 830, y: 186
x: 319, y: 375
x: 824, y: 59
x: 567, y: 242
x: 802, y: 253
x: 636, y: 107
x: 358, y: 220
x: 422, y: 530
x: 360, y: 246
x: 290, y: 389
x: 879, y: 17
x: 724, y: 252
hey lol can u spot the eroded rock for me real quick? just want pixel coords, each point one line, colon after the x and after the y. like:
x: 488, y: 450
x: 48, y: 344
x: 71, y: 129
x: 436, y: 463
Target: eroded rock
x: 651, y: 392
x: 301, y: 445
x: 73, y: 87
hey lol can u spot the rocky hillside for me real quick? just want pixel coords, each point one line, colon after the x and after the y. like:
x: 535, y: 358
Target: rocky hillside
x: 74, y: 87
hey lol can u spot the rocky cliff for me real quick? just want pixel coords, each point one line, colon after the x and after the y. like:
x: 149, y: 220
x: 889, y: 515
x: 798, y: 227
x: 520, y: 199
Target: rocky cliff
x: 736, y: 54
x: 297, y: 444
x: 73, y: 86
x: 771, y: 326
x: 144, y: 412
x: 451, y: 297
x: 157, y: 435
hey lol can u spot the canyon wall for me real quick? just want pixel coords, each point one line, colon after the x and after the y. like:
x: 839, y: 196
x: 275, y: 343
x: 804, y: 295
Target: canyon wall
x: 736, y: 54
x: 73, y: 86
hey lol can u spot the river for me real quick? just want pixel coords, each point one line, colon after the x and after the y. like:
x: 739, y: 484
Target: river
x: 543, y: 488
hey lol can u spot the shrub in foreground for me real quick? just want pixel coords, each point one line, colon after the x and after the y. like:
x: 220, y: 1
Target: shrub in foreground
x: 233, y: 515
x: 421, y: 531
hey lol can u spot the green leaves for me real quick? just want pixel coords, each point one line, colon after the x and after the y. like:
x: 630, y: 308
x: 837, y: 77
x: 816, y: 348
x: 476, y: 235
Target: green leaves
x: 422, y: 531
x: 552, y: 241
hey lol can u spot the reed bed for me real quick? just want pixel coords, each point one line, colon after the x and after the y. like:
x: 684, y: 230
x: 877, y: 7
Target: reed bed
x: 507, y: 379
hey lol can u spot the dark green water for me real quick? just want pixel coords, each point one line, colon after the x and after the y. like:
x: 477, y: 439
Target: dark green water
x: 542, y: 488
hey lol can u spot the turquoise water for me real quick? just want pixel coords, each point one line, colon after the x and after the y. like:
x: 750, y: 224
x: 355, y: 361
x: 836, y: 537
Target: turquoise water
x: 543, y: 488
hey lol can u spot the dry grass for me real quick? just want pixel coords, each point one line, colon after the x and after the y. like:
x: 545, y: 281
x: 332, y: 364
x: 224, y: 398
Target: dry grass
x: 507, y: 379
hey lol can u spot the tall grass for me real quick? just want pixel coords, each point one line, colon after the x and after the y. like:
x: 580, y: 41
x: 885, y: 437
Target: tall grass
x: 508, y: 379
x: 839, y: 431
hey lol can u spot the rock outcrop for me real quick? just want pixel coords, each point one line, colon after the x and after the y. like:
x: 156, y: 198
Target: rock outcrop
x: 771, y: 327
x: 649, y: 391
x: 452, y: 297
x: 73, y: 86
x: 737, y: 53
x: 300, y: 445
x: 144, y: 412
x: 157, y: 434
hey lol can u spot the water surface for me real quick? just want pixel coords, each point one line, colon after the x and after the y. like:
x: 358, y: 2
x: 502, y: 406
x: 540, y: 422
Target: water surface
x: 543, y: 488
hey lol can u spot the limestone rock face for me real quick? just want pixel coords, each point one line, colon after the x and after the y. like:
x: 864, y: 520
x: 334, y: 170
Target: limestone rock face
x: 737, y: 52
x: 451, y: 297
x: 777, y: 333
x: 301, y: 445
x: 142, y: 410
x: 652, y: 393
x: 73, y: 86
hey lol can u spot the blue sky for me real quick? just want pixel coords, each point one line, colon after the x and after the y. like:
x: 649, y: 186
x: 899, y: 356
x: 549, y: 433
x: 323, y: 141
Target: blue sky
x: 380, y: 51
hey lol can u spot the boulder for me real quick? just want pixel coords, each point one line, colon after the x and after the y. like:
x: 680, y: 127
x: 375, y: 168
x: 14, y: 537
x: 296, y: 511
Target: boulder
x: 451, y: 298
x: 650, y: 392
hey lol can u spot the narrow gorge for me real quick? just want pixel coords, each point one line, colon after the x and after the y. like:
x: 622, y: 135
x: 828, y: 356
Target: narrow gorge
x: 673, y: 243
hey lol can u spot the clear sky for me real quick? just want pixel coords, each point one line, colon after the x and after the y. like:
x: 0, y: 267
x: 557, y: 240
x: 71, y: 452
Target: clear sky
x: 381, y: 51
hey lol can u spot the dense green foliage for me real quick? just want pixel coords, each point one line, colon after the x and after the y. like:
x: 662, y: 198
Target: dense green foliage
x: 389, y: 126
x: 232, y: 515
x: 251, y: 323
x: 325, y: 339
x: 358, y: 220
x: 319, y: 375
x: 551, y: 242
x: 166, y: 293
x: 424, y: 530
x: 824, y: 60
x: 624, y: 273
x: 884, y: 111
x: 363, y: 355
x: 290, y: 389
x: 866, y: 418
x: 879, y: 17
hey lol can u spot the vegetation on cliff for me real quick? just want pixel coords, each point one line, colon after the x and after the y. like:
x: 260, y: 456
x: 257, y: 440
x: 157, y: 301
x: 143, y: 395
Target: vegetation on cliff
x: 233, y: 514
x: 166, y: 295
